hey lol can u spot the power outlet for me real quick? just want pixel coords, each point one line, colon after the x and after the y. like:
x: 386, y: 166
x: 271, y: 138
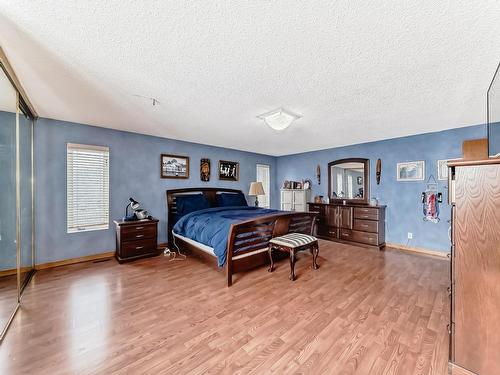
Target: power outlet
x: 410, y: 235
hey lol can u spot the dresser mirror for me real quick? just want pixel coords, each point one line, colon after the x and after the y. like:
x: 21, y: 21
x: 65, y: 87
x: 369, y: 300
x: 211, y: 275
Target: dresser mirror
x: 348, y: 180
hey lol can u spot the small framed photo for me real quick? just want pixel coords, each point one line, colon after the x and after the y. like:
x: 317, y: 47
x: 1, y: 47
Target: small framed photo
x: 174, y: 166
x: 411, y: 171
x: 205, y: 170
x: 359, y: 180
x: 442, y: 166
x: 229, y: 170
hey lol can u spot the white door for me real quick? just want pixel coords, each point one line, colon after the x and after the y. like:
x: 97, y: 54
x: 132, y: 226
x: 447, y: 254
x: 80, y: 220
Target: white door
x: 264, y: 176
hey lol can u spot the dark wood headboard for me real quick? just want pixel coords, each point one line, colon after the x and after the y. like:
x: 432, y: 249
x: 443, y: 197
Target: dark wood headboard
x: 210, y: 193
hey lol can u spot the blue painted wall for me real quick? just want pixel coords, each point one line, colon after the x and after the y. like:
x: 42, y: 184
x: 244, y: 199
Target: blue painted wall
x: 134, y: 172
x: 403, y: 199
x: 494, y: 138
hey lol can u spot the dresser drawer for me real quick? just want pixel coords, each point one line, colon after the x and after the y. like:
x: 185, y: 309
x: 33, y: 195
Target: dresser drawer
x: 366, y: 225
x: 140, y: 247
x: 366, y: 213
x: 364, y: 237
x: 326, y: 231
x: 345, y: 234
x: 138, y: 232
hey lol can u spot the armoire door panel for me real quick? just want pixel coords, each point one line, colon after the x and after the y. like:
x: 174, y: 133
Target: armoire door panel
x: 476, y: 268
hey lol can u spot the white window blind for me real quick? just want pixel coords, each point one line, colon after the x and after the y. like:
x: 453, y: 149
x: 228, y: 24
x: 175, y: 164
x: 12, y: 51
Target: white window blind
x: 87, y: 187
x: 263, y: 175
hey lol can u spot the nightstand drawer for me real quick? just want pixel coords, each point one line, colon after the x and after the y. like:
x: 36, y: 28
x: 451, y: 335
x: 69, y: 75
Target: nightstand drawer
x: 140, y: 247
x: 138, y: 232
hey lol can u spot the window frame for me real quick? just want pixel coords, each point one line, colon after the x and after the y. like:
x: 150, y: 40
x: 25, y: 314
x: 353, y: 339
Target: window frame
x: 268, y: 193
x: 71, y: 147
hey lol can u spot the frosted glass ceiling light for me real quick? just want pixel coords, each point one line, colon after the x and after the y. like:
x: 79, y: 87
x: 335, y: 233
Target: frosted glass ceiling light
x: 279, y: 119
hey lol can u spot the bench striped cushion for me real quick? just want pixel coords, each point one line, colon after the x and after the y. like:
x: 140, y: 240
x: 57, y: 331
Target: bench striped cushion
x: 293, y: 240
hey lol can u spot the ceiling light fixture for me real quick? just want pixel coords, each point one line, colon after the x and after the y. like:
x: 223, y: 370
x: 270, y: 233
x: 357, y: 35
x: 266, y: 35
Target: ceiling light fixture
x: 154, y: 101
x: 279, y: 119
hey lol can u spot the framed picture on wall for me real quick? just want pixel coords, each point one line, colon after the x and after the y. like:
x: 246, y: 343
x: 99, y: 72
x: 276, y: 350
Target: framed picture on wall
x: 228, y: 170
x: 442, y: 169
x: 411, y: 171
x: 205, y: 170
x: 174, y: 166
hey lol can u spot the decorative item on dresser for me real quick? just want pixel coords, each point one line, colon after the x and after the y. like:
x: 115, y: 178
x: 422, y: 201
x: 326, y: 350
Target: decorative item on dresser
x: 350, y: 223
x: 475, y: 266
x: 295, y: 199
x: 136, y: 239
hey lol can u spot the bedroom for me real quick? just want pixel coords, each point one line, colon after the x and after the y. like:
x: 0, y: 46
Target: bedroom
x: 337, y: 119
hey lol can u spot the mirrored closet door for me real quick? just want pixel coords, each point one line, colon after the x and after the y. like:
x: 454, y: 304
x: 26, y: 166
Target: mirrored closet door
x: 16, y: 195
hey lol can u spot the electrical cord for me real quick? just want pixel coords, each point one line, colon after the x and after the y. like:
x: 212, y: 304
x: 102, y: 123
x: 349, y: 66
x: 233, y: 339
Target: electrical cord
x: 168, y: 252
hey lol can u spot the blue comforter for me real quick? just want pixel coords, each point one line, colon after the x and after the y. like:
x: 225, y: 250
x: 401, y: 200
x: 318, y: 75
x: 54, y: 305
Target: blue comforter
x: 210, y: 226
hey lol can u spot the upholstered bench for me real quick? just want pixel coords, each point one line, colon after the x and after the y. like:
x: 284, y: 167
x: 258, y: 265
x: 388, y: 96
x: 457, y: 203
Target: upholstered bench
x: 293, y: 243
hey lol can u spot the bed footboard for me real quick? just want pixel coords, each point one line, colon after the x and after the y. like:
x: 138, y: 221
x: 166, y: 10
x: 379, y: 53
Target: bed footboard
x: 248, y: 241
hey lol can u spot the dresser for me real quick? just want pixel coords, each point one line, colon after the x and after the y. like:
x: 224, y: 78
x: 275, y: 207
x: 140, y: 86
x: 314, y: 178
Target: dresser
x: 294, y: 199
x: 475, y: 267
x: 350, y: 223
x: 136, y: 239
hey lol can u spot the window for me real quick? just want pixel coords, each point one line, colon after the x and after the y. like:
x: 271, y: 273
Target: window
x: 263, y: 175
x: 87, y: 187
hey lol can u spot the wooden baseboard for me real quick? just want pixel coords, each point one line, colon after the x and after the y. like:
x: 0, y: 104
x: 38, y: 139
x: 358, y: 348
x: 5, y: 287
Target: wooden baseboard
x: 13, y: 271
x: 417, y: 250
x: 65, y: 262
x: 87, y: 258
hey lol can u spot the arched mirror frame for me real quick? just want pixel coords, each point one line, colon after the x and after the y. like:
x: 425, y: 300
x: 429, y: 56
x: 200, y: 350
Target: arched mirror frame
x: 366, y: 180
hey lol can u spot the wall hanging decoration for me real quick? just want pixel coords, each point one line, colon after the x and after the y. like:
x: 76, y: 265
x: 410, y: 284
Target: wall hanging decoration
x: 174, y: 166
x: 411, y: 171
x: 430, y: 201
x: 442, y: 167
x: 228, y: 170
x: 318, y: 174
x: 205, y: 170
x: 379, y: 171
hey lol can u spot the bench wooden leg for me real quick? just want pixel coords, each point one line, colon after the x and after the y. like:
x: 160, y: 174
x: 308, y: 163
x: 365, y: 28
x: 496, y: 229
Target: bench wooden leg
x: 270, y: 252
x: 292, y: 264
x: 315, y: 253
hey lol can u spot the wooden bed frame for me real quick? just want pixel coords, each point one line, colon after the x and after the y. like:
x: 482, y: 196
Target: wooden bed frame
x: 261, y: 230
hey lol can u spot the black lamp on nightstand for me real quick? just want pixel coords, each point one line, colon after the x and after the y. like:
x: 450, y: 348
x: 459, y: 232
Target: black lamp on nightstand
x: 134, y: 205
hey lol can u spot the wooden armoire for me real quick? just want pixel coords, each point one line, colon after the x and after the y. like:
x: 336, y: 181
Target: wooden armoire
x: 475, y: 267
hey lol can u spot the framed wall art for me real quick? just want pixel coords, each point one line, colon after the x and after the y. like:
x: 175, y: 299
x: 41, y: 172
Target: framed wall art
x: 442, y: 166
x: 411, y: 171
x: 174, y: 166
x: 205, y: 170
x: 229, y: 170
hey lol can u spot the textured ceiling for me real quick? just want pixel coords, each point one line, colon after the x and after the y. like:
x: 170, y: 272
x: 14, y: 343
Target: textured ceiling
x: 356, y: 71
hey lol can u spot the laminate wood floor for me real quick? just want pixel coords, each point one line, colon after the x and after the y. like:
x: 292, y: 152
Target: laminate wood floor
x: 362, y: 312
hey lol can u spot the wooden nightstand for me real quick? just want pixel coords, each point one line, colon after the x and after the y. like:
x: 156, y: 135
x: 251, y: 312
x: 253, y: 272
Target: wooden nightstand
x: 136, y: 239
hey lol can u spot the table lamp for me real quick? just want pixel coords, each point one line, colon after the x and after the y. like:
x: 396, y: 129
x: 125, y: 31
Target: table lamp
x: 134, y: 205
x: 256, y: 189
